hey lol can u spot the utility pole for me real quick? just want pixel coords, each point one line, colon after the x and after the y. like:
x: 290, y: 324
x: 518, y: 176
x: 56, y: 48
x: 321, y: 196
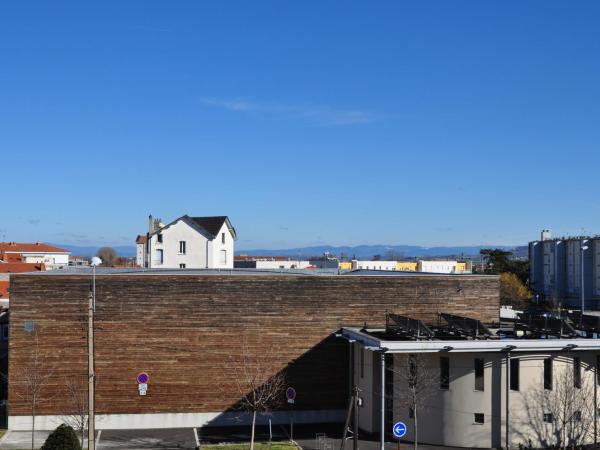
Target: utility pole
x: 91, y: 374
x: 91, y: 363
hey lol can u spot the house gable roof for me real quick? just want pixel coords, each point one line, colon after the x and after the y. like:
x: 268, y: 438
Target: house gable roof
x: 207, y: 226
x: 214, y: 224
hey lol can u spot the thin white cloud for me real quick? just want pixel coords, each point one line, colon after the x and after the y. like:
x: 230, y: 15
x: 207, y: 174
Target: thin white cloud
x: 320, y: 115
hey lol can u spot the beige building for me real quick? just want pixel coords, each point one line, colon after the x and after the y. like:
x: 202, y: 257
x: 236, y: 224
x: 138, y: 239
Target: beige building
x: 466, y: 391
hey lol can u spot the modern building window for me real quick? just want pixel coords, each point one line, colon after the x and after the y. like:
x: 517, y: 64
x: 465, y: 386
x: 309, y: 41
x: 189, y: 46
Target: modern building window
x: 548, y: 418
x: 159, y: 256
x: 479, y: 380
x: 362, y: 362
x: 577, y: 372
x: 444, y: 372
x: 159, y: 238
x: 514, y: 374
x: 479, y: 418
x: 182, y: 246
x: 548, y: 374
x: 223, y: 257
x: 182, y: 266
x: 222, y: 238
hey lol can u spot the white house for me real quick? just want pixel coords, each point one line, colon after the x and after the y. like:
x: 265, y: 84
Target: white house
x: 188, y: 243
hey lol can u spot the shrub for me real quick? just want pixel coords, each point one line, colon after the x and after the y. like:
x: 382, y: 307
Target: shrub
x: 63, y: 438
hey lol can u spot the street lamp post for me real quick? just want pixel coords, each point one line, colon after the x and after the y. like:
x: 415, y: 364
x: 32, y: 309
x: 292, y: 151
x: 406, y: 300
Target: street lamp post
x: 582, y: 288
x: 91, y: 363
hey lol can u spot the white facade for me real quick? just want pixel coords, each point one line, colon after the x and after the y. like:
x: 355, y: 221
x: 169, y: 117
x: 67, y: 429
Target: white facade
x: 140, y: 253
x: 52, y: 260
x: 374, y: 265
x: 184, y: 244
x: 436, y: 266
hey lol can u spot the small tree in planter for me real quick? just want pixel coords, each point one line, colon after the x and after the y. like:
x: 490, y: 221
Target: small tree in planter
x: 63, y: 438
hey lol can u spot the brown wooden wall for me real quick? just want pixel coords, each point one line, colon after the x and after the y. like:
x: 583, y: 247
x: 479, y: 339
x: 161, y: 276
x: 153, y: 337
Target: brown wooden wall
x: 189, y: 331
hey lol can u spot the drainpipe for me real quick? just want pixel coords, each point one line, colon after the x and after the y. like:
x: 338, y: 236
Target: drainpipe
x: 508, y: 349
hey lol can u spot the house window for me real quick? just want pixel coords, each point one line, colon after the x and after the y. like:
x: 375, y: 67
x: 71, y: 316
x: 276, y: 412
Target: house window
x: 577, y: 372
x: 444, y: 372
x: 479, y: 419
x: 548, y: 418
x: 182, y: 266
x: 514, y: 374
x: 479, y: 374
x: 182, y: 247
x: 159, y: 238
x: 548, y: 374
x: 159, y: 256
x: 222, y: 238
x: 223, y: 257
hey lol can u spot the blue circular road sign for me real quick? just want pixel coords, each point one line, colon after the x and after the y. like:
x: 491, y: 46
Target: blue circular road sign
x: 399, y: 429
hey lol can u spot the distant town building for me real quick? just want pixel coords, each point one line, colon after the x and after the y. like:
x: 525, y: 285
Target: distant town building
x: 36, y: 253
x: 430, y: 266
x: 187, y: 243
x: 79, y: 261
x: 268, y: 262
x: 556, y: 270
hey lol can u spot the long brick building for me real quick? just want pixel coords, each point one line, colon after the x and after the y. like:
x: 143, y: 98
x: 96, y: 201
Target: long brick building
x: 191, y: 330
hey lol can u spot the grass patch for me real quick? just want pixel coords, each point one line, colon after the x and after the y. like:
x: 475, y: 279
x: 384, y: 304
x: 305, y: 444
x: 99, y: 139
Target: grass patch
x: 246, y: 446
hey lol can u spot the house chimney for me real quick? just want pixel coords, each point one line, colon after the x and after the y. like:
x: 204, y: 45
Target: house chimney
x: 150, y: 224
x: 546, y: 235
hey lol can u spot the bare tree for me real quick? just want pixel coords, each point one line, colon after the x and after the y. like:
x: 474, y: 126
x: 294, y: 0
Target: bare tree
x: 29, y: 380
x: 75, y: 413
x: 562, y: 416
x: 108, y: 255
x: 418, y: 382
x: 258, y: 383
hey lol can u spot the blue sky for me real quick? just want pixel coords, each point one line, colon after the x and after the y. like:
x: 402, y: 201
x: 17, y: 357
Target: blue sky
x: 428, y: 123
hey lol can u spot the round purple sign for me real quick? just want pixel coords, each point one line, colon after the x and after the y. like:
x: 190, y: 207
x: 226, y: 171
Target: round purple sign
x: 142, y: 378
x: 290, y: 393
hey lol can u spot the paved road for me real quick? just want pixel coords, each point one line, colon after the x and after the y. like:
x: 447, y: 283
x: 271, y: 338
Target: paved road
x: 183, y: 438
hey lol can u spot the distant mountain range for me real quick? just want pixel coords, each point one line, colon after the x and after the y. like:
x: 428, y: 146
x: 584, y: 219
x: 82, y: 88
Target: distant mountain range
x: 359, y: 251
x: 391, y: 251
